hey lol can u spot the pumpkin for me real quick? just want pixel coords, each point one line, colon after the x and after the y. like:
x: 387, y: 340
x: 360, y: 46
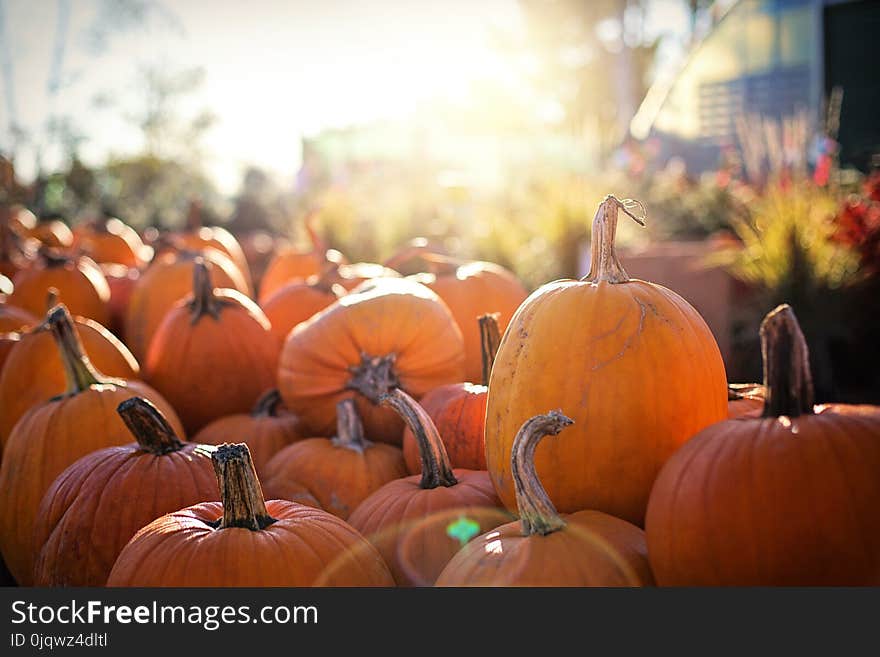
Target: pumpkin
x: 349, y: 276
x: 789, y: 498
x: 544, y: 548
x: 385, y: 516
x: 35, y: 370
x: 197, y: 237
x: 54, y: 434
x: 386, y: 333
x: 98, y: 503
x: 472, y: 289
x: 79, y: 281
x: 167, y: 280
x: 292, y: 265
x: 629, y: 359
x: 266, y: 429
x: 745, y: 399
x: 459, y: 411
x: 296, y: 302
x: 213, y: 354
x: 12, y: 319
x: 12, y: 254
x: 245, y: 541
x: 341, y: 472
x: 122, y: 281
x: 53, y: 233
x: 107, y: 240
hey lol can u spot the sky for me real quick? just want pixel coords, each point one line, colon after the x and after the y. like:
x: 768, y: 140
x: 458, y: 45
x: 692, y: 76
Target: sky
x: 274, y: 70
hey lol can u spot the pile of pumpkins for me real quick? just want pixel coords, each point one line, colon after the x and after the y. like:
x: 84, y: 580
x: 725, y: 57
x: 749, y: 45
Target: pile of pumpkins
x: 419, y: 422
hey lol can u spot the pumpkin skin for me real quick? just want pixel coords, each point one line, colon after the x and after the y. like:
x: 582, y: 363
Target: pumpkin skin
x: 341, y: 472
x: 35, y: 371
x: 266, y: 430
x: 586, y: 548
x: 387, y: 514
x: 167, y: 280
x: 213, y: 354
x: 122, y: 281
x: 98, y: 503
x: 296, y: 302
x: 744, y: 399
x: 53, y: 233
x: 386, y: 333
x: 79, y: 281
x: 257, y: 543
x: 631, y: 362
x: 110, y: 241
x: 785, y: 499
x: 12, y: 319
x: 52, y: 435
x: 473, y: 289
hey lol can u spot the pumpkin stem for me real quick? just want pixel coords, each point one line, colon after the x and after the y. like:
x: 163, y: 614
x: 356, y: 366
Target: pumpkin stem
x: 490, y: 338
x: 536, y: 511
x: 268, y: 403
x: 374, y: 376
x: 788, y: 381
x: 349, y: 428
x: 604, y: 265
x: 52, y: 298
x: 240, y: 490
x: 436, y: 468
x: 194, y: 215
x: 149, y: 426
x: 204, y: 302
x: 78, y: 369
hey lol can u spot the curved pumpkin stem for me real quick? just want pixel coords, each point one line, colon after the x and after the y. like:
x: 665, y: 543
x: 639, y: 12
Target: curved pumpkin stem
x: 490, y: 338
x: 349, y: 428
x: 240, y: 491
x: 374, y: 376
x: 436, y: 468
x: 194, y: 215
x: 149, y: 426
x: 52, y: 298
x: 204, y: 302
x: 604, y: 264
x: 268, y: 403
x: 788, y: 381
x: 78, y: 369
x: 536, y: 511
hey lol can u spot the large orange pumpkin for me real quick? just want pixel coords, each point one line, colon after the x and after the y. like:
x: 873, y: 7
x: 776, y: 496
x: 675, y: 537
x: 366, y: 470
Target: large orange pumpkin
x: 98, y: 503
x: 213, y: 354
x: 79, y: 281
x: 387, y: 333
x: 630, y: 361
x: 265, y: 430
x: 107, y: 240
x: 789, y: 498
x: 54, y: 434
x: 387, y: 514
x: 167, y: 280
x: 247, y: 542
x: 472, y: 289
x: 459, y: 411
x: 35, y: 370
x: 341, y: 472
x: 543, y: 548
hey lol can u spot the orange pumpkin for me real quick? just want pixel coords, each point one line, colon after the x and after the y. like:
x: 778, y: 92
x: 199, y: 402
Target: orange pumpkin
x: 54, y: 434
x: 630, y: 361
x: 35, y: 370
x: 472, y: 289
x: 247, y: 542
x: 341, y: 472
x: 586, y: 548
x: 51, y: 232
x: 789, y: 498
x: 79, y: 281
x: 167, y: 280
x: 387, y: 333
x: 459, y: 411
x: 12, y: 319
x: 122, y: 281
x: 265, y: 430
x: 213, y: 354
x: 107, y: 240
x: 745, y: 399
x: 292, y: 265
x: 349, y: 276
x: 296, y: 302
x: 98, y: 503
x: 197, y: 237
x: 386, y: 515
